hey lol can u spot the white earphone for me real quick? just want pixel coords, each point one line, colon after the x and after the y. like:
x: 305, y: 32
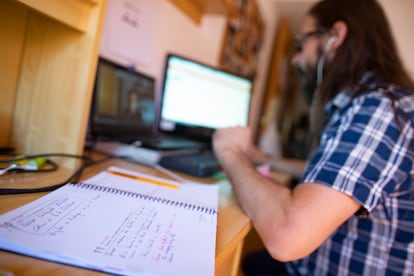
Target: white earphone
x: 329, y: 43
x: 321, y: 61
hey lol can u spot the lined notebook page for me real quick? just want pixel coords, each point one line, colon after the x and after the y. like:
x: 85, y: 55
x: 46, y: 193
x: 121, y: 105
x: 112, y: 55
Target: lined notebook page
x: 119, y: 225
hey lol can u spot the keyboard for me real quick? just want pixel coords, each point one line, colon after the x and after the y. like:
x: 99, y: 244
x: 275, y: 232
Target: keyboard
x: 200, y: 164
x: 170, y: 143
x: 160, y: 142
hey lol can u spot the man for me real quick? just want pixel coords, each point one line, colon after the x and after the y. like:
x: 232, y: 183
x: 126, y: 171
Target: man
x: 353, y: 212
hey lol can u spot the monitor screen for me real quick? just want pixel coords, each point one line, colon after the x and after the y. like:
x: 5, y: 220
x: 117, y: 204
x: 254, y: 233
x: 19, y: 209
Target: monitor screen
x: 123, y: 102
x: 197, y: 99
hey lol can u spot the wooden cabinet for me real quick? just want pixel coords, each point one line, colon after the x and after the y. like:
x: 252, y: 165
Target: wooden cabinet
x: 74, y: 13
x: 48, y: 56
x: 195, y: 9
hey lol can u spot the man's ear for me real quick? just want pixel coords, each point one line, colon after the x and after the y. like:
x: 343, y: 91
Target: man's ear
x: 338, y: 34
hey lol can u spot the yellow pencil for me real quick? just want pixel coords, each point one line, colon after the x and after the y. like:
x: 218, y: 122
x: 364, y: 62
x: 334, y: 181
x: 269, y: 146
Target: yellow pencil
x: 145, y: 179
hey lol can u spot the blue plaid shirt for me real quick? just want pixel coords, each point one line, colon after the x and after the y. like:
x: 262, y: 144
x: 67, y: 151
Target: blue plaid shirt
x: 367, y: 152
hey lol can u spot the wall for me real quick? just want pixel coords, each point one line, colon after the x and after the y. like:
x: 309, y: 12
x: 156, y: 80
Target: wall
x: 176, y: 32
x: 399, y: 13
x: 401, y: 20
x: 400, y: 16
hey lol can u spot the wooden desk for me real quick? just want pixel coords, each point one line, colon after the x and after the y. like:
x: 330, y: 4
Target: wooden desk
x: 233, y: 225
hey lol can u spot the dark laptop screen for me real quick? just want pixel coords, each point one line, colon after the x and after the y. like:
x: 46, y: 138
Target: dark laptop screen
x: 197, y: 99
x: 123, y: 102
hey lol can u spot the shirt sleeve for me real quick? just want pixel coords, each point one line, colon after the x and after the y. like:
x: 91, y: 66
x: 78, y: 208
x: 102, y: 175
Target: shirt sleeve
x: 362, y: 151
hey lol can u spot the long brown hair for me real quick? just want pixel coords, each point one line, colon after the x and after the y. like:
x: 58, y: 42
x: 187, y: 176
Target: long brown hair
x: 369, y: 46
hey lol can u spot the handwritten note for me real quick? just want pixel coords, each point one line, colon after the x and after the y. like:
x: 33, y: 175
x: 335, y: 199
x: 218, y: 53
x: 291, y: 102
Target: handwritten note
x: 115, y: 230
x: 129, y: 29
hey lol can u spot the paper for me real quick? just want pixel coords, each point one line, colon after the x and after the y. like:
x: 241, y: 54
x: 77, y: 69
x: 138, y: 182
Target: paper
x: 129, y: 29
x: 119, y: 225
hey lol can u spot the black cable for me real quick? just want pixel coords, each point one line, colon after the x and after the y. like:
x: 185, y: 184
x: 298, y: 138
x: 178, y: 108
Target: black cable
x: 52, y: 166
x: 6, y: 150
x: 87, y: 161
x: 32, y: 156
x: 11, y: 191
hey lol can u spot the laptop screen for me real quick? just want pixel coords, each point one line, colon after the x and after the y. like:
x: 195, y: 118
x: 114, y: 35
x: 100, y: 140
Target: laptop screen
x: 123, y: 102
x: 197, y: 99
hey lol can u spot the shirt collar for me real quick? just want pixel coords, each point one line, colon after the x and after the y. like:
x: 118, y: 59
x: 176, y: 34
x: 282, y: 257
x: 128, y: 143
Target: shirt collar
x: 339, y: 101
x: 369, y: 80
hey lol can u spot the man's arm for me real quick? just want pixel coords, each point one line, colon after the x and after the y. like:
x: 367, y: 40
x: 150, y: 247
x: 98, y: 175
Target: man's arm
x: 294, y: 167
x: 291, y: 223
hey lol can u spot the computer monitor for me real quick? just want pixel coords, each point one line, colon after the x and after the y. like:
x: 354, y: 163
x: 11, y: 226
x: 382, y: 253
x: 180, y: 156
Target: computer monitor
x: 196, y: 99
x: 123, y: 102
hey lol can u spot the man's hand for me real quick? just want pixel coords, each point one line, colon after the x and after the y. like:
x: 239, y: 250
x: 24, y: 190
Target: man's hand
x: 236, y: 140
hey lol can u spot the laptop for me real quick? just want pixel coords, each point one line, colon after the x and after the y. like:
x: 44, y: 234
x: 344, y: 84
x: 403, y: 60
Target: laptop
x: 196, y: 99
x: 123, y: 110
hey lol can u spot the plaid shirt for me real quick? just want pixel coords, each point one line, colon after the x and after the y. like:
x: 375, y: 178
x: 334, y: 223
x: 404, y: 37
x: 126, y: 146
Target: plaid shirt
x: 367, y: 152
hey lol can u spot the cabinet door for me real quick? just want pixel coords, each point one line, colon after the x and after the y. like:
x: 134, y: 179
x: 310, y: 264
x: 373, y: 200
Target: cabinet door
x: 195, y: 9
x: 56, y: 76
x: 74, y: 13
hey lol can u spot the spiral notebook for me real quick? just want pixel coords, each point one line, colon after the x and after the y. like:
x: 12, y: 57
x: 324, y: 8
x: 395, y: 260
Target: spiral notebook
x: 120, y: 222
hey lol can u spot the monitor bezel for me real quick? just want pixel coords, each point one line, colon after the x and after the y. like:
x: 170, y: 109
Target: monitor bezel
x: 102, y: 131
x: 195, y: 132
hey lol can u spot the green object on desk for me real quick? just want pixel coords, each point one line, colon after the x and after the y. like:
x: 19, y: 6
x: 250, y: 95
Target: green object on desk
x: 34, y: 164
x: 219, y: 175
x: 31, y: 165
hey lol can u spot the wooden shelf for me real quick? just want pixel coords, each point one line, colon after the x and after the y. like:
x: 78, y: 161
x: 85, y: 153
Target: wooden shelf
x: 195, y: 9
x: 49, y: 50
x: 74, y: 13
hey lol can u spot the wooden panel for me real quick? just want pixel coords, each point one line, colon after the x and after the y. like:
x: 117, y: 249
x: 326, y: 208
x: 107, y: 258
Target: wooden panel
x: 230, y: 242
x: 230, y: 266
x: 277, y: 75
x: 11, y: 42
x: 55, y: 86
x: 74, y: 13
x: 195, y: 9
x: 94, y: 2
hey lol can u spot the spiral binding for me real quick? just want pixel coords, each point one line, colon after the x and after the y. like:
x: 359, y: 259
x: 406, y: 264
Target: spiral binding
x: 169, y: 202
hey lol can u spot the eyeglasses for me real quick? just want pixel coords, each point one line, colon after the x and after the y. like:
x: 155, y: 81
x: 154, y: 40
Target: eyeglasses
x: 300, y: 40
